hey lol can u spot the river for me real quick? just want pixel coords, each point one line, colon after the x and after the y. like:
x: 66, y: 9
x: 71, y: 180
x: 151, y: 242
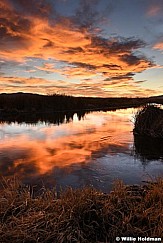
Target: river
x: 92, y: 149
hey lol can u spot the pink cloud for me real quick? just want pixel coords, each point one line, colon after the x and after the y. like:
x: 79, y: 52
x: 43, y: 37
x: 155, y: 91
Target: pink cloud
x: 159, y: 46
x: 153, y: 10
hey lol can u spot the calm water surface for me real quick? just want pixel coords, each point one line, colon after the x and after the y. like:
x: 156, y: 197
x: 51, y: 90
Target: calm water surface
x: 94, y: 151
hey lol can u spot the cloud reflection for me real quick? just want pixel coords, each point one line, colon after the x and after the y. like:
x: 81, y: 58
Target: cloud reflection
x: 39, y: 150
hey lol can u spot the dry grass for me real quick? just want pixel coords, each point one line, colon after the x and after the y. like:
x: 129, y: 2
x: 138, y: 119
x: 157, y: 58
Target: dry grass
x: 149, y: 121
x: 83, y: 215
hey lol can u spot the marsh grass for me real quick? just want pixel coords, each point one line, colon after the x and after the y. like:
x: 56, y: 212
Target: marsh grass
x: 149, y: 122
x: 82, y: 215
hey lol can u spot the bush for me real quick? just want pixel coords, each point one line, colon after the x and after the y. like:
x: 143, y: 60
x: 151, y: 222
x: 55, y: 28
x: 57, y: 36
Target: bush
x: 149, y: 122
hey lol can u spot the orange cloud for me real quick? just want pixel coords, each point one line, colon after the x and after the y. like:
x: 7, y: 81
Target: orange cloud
x: 48, y: 68
x: 159, y: 45
x: 24, y: 81
x: 83, y: 52
x: 124, y: 86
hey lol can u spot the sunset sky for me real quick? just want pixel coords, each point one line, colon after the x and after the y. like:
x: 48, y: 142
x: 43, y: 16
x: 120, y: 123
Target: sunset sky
x: 96, y: 48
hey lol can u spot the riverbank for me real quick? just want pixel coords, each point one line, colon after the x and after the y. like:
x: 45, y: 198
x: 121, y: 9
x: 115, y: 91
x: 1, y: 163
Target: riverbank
x: 82, y: 215
x: 27, y: 102
x: 57, y: 109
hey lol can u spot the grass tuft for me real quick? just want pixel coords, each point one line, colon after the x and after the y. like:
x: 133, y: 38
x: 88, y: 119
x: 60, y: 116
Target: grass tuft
x: 149, y: 122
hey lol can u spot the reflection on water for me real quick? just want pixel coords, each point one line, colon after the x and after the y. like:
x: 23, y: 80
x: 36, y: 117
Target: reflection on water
x: 34, y: 118
x: 94, y: 151
x: 147, y: 148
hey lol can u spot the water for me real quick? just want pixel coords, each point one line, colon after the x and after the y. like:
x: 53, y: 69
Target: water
x: 78, y: 150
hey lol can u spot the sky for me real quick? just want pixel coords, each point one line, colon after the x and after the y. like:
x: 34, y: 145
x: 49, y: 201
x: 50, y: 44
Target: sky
x: 97, y: 48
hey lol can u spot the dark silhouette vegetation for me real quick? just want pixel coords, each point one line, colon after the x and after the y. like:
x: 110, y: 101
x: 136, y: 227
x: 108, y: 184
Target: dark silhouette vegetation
x: 47, y: 117
x: 149, y: 122
x: 56, y: 109
x: 148, y: 148
x: 26, y: 102
x: 82, y: 215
